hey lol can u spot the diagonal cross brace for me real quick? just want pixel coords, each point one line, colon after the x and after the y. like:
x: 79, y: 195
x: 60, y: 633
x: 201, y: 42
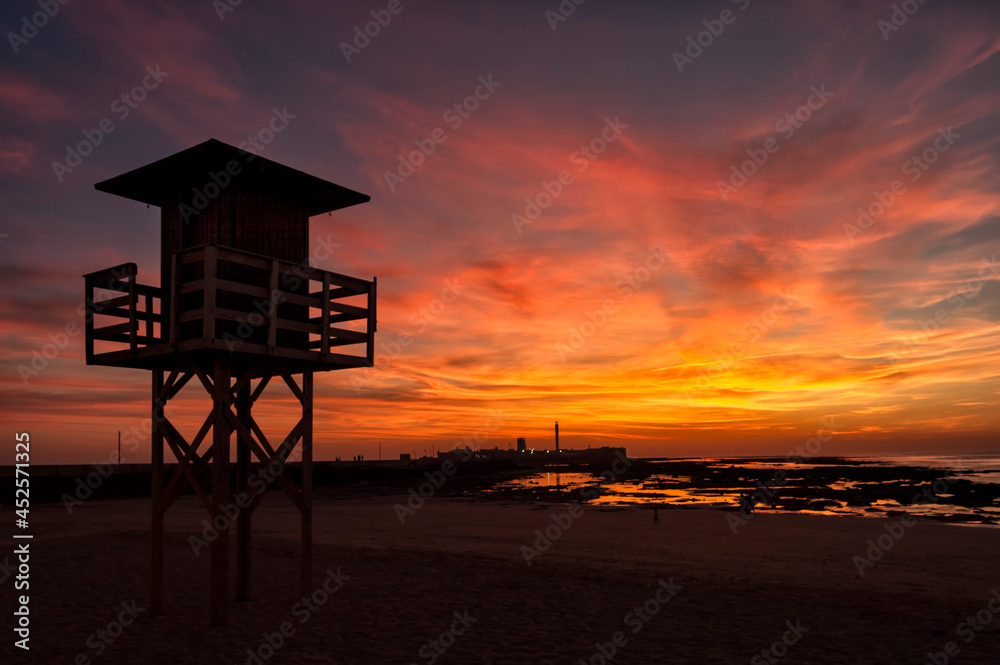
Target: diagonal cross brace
x: 181, y: 448
x: 184, y: 470
x: 265, y: 454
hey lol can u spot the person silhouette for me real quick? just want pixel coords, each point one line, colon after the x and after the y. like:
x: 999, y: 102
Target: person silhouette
x: 656, y: 516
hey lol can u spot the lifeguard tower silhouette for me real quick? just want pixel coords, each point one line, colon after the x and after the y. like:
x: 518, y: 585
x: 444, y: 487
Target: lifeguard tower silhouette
x: 238, y: 305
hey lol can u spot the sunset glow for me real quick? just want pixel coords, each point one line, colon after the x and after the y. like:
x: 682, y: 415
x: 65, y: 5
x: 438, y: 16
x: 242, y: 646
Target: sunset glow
x: 680, y: 262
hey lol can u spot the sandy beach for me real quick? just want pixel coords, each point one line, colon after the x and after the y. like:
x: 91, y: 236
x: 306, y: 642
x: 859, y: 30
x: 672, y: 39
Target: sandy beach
x: 452, y: 585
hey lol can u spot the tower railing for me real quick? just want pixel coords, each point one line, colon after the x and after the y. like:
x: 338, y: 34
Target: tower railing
x: 219, y: 301
x: 142, y: 325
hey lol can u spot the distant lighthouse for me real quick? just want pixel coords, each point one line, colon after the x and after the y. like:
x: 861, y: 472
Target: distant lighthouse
x: 557, y: 436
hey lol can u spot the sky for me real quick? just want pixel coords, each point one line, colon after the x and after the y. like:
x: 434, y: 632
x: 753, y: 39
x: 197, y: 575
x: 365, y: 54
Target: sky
x: 687, y: 228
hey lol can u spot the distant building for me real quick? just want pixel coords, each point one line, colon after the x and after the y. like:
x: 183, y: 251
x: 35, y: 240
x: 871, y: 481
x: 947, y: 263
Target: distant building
x: 522, y: 455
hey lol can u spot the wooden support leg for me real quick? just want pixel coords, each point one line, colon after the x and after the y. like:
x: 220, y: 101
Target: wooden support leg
x: 156, y: 527
x: 221, y: 431
x: 242, y: 476
x: 307, y: 452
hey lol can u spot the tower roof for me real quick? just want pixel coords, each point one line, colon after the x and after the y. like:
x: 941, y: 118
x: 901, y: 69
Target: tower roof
x: 159, y: 182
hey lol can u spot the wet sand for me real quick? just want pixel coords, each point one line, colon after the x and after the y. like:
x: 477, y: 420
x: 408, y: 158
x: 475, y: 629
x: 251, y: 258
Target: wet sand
x: 686, y: 591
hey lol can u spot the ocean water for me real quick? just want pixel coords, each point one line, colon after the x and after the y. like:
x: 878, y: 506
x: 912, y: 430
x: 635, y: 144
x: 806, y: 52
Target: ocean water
x: 674, y: 490
x: 985, y: 467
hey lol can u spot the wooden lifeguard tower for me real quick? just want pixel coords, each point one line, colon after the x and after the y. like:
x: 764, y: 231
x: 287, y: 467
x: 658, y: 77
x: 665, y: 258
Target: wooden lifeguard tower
x: 238, y: 306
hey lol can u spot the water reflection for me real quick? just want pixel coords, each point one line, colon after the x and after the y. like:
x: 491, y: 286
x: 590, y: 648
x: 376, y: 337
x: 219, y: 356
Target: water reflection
x: 804, y: 498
